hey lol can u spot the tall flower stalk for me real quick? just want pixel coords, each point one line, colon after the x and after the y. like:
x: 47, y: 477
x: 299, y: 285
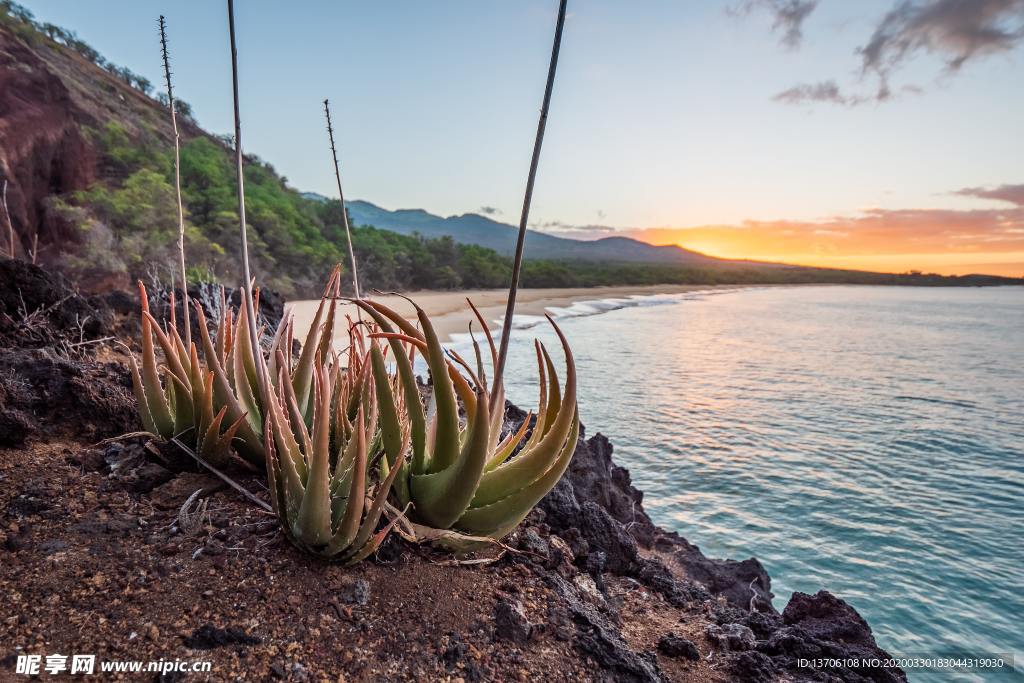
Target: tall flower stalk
x: 517, y: 265
x: 341, y: 198
x: 177, y: 180
x: 247, y: 299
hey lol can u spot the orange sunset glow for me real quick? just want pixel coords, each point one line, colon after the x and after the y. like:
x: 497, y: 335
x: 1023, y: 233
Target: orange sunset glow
x: 950, y: 242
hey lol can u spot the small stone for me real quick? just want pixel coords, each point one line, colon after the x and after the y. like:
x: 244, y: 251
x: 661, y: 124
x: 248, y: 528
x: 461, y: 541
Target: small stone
x: 209, y: 636
x: 174, y: 493
x: 355, y: 592
x: 672, y: 645
x: 510, y: 622
x: 146, y: 478
x: 588, y: 588
x: 537, y: 548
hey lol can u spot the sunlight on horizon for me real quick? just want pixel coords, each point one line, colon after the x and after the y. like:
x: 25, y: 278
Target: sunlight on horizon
x: 960, y: 263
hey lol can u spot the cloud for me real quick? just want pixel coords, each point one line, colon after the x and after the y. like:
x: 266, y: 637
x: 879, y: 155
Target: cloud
x: 788, y: 16
x: 573, y: 231
x: 1014, y: 194
x: 823, y: 91
x: 489, y: 211
x: 956, y: 31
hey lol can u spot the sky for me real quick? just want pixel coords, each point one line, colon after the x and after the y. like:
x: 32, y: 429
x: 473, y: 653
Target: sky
x: 879, y: 134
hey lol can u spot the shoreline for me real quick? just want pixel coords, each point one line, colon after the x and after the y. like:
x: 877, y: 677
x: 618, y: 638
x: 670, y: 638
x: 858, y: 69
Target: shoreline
x: 450, y: 314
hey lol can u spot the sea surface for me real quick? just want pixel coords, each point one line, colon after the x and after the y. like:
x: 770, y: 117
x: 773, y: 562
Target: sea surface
x: 865, y: 440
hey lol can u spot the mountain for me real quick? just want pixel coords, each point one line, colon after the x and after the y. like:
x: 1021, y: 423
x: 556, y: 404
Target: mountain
x: 471, y: 228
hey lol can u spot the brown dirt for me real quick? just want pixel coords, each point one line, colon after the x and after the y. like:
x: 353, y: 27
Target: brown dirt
x: 90, y: 567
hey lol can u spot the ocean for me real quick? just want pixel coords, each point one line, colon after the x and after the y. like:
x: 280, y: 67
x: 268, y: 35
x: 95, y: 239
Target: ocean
x: 864, y: 440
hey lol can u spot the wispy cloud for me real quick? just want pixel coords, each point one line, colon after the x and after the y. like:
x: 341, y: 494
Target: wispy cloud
x: 489, y: 211
x: 574, y: 231
x: 788, y: 16
x: 955, y: 31
x: 824, y: 91
x: 1014, y: 194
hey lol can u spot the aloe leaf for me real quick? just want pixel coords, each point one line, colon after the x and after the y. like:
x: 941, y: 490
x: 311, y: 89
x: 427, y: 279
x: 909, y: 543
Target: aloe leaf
x: 282, y: 335
x: 313, y: 522
x: 251, y: 445
x: 184, y: 415
x: 542, y: 401
x: 155, y: 399
x: 202, y: 405
x: 554, y: 394
x: 392, y: 435
x: 372, y: 545
x: 274, y: 485
x: 397, y: 318
x: 391, y: 429
x: 167, y: 346
x: 223, y: 445
x: 209, y: 447
x: 508, y: 445
x: 500, y: 517
x: 297, y: 421
x: 445, y: 449
x: 148, y: 423
x: 533, y: 462
x: 441, y: 497
x: 302, y: 375
x: 242, y: 384
x: 413, y: 403
x: 182, y: 353
x: 376, y: 508
x: 288, y: 455
x: 349, y: 526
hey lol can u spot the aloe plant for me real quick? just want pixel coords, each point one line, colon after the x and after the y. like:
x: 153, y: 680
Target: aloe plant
x: 181, y: 400
x: 213, y: 401
x: 318, y: 471
x: 462, y: 476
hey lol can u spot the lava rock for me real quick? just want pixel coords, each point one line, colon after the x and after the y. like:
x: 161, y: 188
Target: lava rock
x: 604, y: 533
x: 826, y: 617
x: 531, y: 542
x: 147, y: 477
x: 744, y: 584
x: 355, y: 592
x: 655, y: 575
x: 731, y: 637
x: 598, y: 637
x: 752, y: 667
x: 208, y: 636
x: 675, y: 646
x: 510, y: 622
x: 15, y: 426
x: 454, y: 651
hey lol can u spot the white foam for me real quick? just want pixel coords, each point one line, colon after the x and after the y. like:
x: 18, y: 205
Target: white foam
x: 589, y: 307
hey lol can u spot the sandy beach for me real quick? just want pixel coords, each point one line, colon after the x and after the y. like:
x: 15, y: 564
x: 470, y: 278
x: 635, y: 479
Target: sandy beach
x: 451, y: 315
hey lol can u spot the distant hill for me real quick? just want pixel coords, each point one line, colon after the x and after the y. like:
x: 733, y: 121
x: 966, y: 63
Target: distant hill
x: 471, y: 228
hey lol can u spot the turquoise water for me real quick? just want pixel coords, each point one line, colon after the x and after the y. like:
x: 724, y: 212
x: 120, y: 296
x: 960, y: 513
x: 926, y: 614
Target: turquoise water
x: 865, y: 440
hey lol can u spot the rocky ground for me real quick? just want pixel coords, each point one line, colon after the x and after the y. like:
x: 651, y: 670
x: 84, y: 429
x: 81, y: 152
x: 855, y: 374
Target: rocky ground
x: 100, y: 554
